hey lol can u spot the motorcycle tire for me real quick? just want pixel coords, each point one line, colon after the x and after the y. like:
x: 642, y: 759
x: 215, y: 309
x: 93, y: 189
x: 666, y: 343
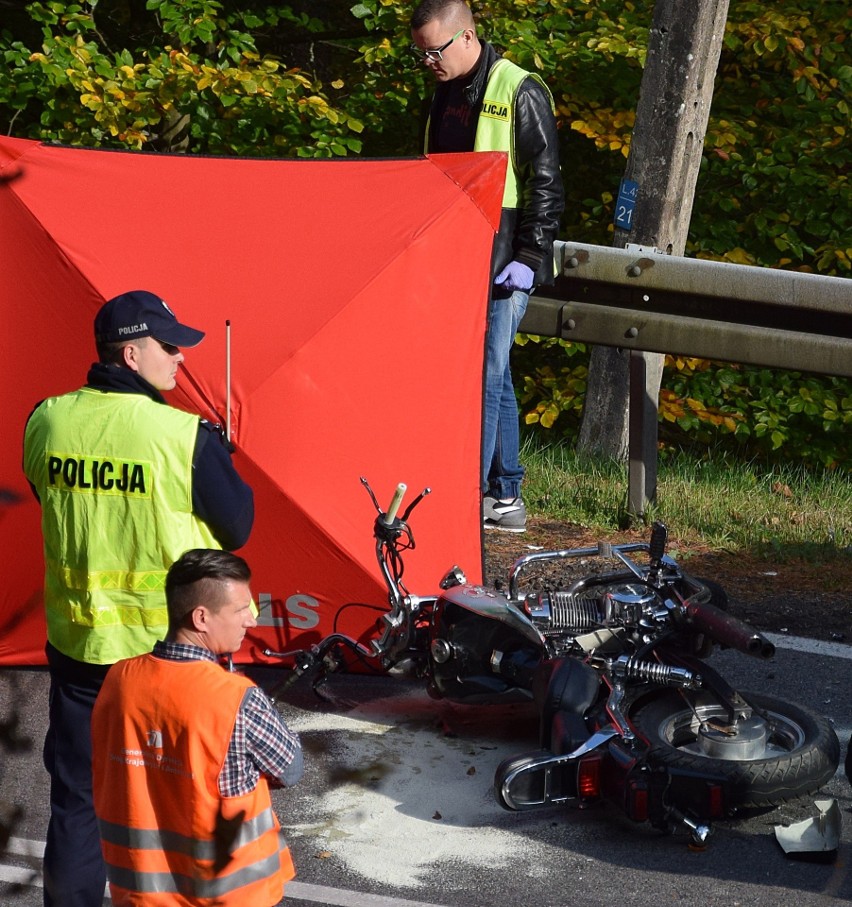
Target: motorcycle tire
x: 801, y: 754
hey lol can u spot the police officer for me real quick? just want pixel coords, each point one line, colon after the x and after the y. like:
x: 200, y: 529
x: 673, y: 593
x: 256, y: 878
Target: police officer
x: 484, y: 102
x: 126, y: 483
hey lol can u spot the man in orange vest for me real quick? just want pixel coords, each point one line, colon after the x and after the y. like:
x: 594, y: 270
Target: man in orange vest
x: 184, y: 753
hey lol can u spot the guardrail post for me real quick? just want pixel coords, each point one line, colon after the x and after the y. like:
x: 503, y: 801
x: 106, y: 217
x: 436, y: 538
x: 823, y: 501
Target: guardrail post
x: 641, y: 436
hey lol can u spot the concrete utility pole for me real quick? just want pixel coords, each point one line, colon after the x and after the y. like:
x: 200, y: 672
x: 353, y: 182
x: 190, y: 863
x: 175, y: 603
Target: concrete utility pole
x: 653, y: 211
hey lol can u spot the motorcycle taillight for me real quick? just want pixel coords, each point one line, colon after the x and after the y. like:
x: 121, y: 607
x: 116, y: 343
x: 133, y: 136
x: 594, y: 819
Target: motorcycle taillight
x: 637, y: 800
x: 589, y: 778
x: 716, y: 801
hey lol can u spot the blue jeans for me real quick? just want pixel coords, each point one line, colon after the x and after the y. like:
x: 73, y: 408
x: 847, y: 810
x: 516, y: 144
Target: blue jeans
x: 501, y: 470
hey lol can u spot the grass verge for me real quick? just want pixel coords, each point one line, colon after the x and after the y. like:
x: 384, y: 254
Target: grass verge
x: 785, y: 511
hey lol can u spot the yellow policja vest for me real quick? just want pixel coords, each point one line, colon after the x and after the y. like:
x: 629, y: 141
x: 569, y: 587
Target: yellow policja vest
x: 495, y: 127
x: 113, y: 472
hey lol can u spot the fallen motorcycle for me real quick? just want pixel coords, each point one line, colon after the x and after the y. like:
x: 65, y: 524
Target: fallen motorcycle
x: 630, y: 710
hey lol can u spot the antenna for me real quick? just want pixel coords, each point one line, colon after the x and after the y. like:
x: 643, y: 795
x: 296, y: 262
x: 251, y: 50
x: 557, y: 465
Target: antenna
x: 228, y: 379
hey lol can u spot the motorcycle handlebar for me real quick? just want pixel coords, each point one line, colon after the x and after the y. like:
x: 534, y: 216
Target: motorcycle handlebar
x: 389, y: 520
x: 726, y: 629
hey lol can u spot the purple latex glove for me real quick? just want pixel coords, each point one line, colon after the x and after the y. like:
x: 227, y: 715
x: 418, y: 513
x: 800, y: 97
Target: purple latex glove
x: 515, y: 276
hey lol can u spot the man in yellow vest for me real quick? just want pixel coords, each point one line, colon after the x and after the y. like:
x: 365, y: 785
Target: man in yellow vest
x: 126, y: 485
x: 183, y: 754
x: 484, y: 102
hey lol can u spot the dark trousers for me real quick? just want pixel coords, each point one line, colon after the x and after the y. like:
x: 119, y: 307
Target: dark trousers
x: 74, y: 871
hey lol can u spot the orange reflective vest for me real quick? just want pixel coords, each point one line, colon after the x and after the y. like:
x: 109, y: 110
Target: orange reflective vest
x: 160, y: 735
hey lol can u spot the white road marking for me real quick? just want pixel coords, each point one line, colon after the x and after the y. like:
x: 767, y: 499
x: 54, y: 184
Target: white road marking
x: 318, y: 894
x: 810, y: 646
x: 15, y: 875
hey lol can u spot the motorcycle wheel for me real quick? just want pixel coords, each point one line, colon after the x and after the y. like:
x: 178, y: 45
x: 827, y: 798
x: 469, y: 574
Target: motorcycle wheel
x: 800, y: 753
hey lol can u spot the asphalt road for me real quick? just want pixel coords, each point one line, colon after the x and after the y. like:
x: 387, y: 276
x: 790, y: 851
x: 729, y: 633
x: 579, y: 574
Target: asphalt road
x: 396, y: 807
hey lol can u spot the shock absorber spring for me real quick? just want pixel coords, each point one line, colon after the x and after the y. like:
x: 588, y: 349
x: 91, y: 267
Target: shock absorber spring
x: 631, y: 668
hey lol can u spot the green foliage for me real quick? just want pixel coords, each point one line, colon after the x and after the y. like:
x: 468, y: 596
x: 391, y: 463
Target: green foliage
x: 392, y: 84
x: 201, y: 76
x: 754, y: 413
x: 718, y: 500
x: 198, y: 84
x: 552, y: 390
x: 777, y: 151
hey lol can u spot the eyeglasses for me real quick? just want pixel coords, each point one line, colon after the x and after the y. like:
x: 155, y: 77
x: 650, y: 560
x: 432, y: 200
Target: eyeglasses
x: 436, y: 55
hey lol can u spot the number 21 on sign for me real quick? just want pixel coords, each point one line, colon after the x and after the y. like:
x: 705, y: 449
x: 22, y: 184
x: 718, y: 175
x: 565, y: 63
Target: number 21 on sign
x: 628, y: 192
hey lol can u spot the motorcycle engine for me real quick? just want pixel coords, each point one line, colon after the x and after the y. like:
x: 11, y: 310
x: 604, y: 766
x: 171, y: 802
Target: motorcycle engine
x: 573, y: 612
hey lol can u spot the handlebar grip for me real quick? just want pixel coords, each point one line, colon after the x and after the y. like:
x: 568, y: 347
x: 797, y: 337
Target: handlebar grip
x: 390, y: 516
x: 657, y: 545
x: 728, y: 630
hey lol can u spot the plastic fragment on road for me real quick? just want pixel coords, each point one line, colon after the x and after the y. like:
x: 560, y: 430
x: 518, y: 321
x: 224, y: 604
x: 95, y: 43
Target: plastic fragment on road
x: 817, y: 835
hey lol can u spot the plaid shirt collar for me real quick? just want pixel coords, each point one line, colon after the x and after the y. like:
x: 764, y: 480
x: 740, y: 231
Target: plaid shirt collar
x: 183, y: 651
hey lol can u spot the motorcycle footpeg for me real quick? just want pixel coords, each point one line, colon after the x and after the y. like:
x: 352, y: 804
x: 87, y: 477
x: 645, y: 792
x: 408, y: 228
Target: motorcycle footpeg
x: 699, y: 832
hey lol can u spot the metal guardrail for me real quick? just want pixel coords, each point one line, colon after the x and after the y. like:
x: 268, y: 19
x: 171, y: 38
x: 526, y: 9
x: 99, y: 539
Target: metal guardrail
x: 642, y: 300
x: 645, y: 301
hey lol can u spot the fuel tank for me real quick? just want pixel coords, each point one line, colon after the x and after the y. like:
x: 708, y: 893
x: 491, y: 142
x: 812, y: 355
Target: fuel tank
x: 491, y: 605
x: 482, y: 647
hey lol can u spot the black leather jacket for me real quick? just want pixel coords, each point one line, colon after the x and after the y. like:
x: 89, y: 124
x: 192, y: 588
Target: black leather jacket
x: 526, y: 234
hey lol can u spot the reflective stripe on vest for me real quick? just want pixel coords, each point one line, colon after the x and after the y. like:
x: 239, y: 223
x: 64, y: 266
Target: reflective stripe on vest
x: 134, y: 581
x: 117, y: 469
x: 160, y: 839
x: 189, y: 885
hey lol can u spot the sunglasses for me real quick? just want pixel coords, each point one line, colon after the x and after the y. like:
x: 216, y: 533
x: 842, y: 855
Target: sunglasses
x: 436, y: 55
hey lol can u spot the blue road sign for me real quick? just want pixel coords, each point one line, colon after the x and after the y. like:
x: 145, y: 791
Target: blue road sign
x: 628, y: 192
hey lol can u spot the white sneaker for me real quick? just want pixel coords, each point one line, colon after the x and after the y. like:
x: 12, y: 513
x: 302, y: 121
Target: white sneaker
x: 510, y: 516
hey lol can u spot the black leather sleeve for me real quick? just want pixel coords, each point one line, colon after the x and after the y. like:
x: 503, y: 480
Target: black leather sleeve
x: 537, y: 158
